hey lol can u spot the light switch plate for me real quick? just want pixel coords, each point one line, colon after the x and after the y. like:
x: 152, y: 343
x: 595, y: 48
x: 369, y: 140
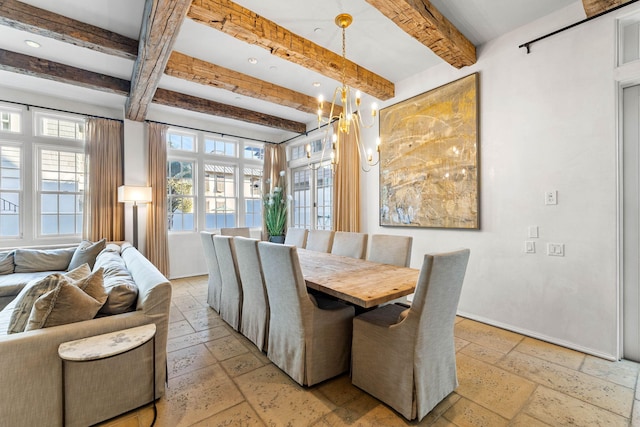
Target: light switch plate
x: 555, y: 249
x: 533, y: 232
x: 530, y: 247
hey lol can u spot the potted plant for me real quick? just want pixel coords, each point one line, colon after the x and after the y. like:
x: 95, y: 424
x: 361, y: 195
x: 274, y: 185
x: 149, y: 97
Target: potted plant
x: 275, y: 204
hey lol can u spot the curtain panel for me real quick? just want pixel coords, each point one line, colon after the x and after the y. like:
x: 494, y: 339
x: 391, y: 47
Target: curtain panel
x: 346, y: 184
x: 157, y: 222
x: 103, y: 216
x: 275, y: 160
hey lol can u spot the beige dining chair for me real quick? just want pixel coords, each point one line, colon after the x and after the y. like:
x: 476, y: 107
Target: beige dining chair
x: 231, y: 293
x: 406, y: 358
x: 236, y: 231
x: 319, y: 240
x: 296, y: 237
x: 255, y: 303
x: 353, y: 245
x: 214, y: 284
x: 309, y: 338
x: 390, y: 249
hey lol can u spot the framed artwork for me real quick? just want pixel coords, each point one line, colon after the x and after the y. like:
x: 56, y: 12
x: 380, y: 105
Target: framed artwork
x: 429, y: 158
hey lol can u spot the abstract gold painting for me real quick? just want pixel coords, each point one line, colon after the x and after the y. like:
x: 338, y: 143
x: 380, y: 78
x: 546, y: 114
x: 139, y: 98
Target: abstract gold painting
x: 429, y: 158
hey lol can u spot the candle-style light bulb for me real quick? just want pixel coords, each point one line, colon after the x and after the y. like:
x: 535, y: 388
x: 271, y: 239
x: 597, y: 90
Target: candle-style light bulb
x: 308, y: 151
x: 374, y: 109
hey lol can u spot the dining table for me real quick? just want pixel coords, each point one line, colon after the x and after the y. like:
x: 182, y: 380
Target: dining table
x: 363, y: 283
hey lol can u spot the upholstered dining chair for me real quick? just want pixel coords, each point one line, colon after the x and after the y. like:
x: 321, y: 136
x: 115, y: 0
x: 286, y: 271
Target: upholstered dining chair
x: 231, y: 293
x: 390, y: 249
x: 236, y: 231
x: 319, y: 240
x: 309, y: 338
x: 255, y: 304
x: 296, y: 237
x: 214, y: 285
x: 406, y: 358
x: 353, y: 245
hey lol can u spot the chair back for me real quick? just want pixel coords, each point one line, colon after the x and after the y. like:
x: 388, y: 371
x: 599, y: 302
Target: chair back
x: 296, y: 237
x: 433, y: 313
x: 255, y: 303
x: 390, y: 249
x: 320, y: 240
x: 231, y: 294
x: 215, y: 281
x: 236, y: 231
x: 353, y: 245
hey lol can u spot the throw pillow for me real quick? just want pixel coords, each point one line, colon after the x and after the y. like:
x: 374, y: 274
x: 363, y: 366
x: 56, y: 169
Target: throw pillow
x: 34, y: 290
x: 64, y: 304
x: 93, y: 285
x: 6, y: 262
x: 87, y: 253
x: 31, y: 260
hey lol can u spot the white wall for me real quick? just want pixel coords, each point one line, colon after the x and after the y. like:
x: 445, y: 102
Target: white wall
x: 547, y: 122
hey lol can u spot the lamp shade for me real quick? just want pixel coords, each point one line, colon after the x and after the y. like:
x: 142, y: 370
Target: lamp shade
x: 133, y: 193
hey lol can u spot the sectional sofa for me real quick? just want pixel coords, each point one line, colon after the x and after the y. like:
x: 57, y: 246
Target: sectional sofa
x: 30, y: 368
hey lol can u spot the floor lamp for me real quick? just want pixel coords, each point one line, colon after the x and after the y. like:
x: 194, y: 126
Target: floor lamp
x: 134, y: 194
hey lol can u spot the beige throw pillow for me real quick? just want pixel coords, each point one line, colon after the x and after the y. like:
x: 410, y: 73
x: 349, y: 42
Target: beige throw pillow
x: 34, y: 290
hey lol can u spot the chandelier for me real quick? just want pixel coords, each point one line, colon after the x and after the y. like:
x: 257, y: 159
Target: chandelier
x: 349, y: 119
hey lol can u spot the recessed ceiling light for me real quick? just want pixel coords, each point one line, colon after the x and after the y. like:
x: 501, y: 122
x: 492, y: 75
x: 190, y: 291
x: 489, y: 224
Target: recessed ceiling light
x: 252, y: 61
x: 273, y: 68
x: 31, y: 43
x: 316, y: 84
x: 317, y: 30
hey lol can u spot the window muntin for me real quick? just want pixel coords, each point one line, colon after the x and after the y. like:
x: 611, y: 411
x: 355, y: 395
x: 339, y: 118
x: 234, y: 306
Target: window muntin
x: 254, y: 152
x: 220, y: 196
x: 61, y: 183
x: 253, y: 197
x: 300, y: 151
x: 10, y: 190
x: 220, y: 147
x: 182, y: 141
x: 61, y: 127
x: 180, y: 195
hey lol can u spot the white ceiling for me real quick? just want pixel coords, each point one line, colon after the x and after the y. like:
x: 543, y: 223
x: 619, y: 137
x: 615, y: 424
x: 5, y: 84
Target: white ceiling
x: 373, y: 41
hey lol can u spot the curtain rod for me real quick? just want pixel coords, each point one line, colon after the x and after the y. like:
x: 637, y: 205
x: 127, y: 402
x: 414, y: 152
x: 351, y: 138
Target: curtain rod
x: 308, y: 132
x: 215, y: 132
x: 59, y: 110
x: 529, y: 43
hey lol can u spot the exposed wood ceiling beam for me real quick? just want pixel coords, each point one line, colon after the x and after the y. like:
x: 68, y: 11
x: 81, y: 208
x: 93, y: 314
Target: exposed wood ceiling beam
x: 160, y: 24
x: 594, y: 7
x: 37, y: 67
x: 206, y: 106
x: 42, y: 22
x: 41, y: 68
x: 206, y: 73
x: 422, y: 21
x: 247, y: 26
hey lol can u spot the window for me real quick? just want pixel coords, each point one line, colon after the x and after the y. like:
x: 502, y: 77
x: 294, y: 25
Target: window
x: 9, y: 120
x: 61, y: 191
x: 10, y: 190
x: 181, y: 199
x: 212, y: 187
x: 220, y: 196
x: 253, y: 197
x: 220, y: 147
x: 312, y: 187
x: 182, y: 141
x: 61, y: 127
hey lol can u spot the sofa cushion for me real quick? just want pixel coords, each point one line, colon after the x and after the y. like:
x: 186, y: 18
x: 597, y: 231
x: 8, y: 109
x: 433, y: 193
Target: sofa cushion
x: 121, y: 289
x: 6, y: 262
x: 86, y: 252
x: 29, y: 260
x: 12, y: 284
x: 35, y: 289
x: 67, y: 303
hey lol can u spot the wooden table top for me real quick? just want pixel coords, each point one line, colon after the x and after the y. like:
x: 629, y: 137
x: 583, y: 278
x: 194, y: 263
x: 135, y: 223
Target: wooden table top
x: 357, y: 281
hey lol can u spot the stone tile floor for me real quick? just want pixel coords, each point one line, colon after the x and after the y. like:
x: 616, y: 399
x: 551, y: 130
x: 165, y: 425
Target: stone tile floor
x: 218, y: 378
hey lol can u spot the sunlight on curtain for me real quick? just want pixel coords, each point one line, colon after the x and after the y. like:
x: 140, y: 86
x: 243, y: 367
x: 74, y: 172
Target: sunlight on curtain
x: 275, y: 160
x: 346, y: 186
x: 157, y: 233
x: 103, y: 216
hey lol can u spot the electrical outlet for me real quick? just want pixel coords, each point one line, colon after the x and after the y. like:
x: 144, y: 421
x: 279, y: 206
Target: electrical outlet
x: 551, y: 197
x: 555, y: 249
x: 530, y: 247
